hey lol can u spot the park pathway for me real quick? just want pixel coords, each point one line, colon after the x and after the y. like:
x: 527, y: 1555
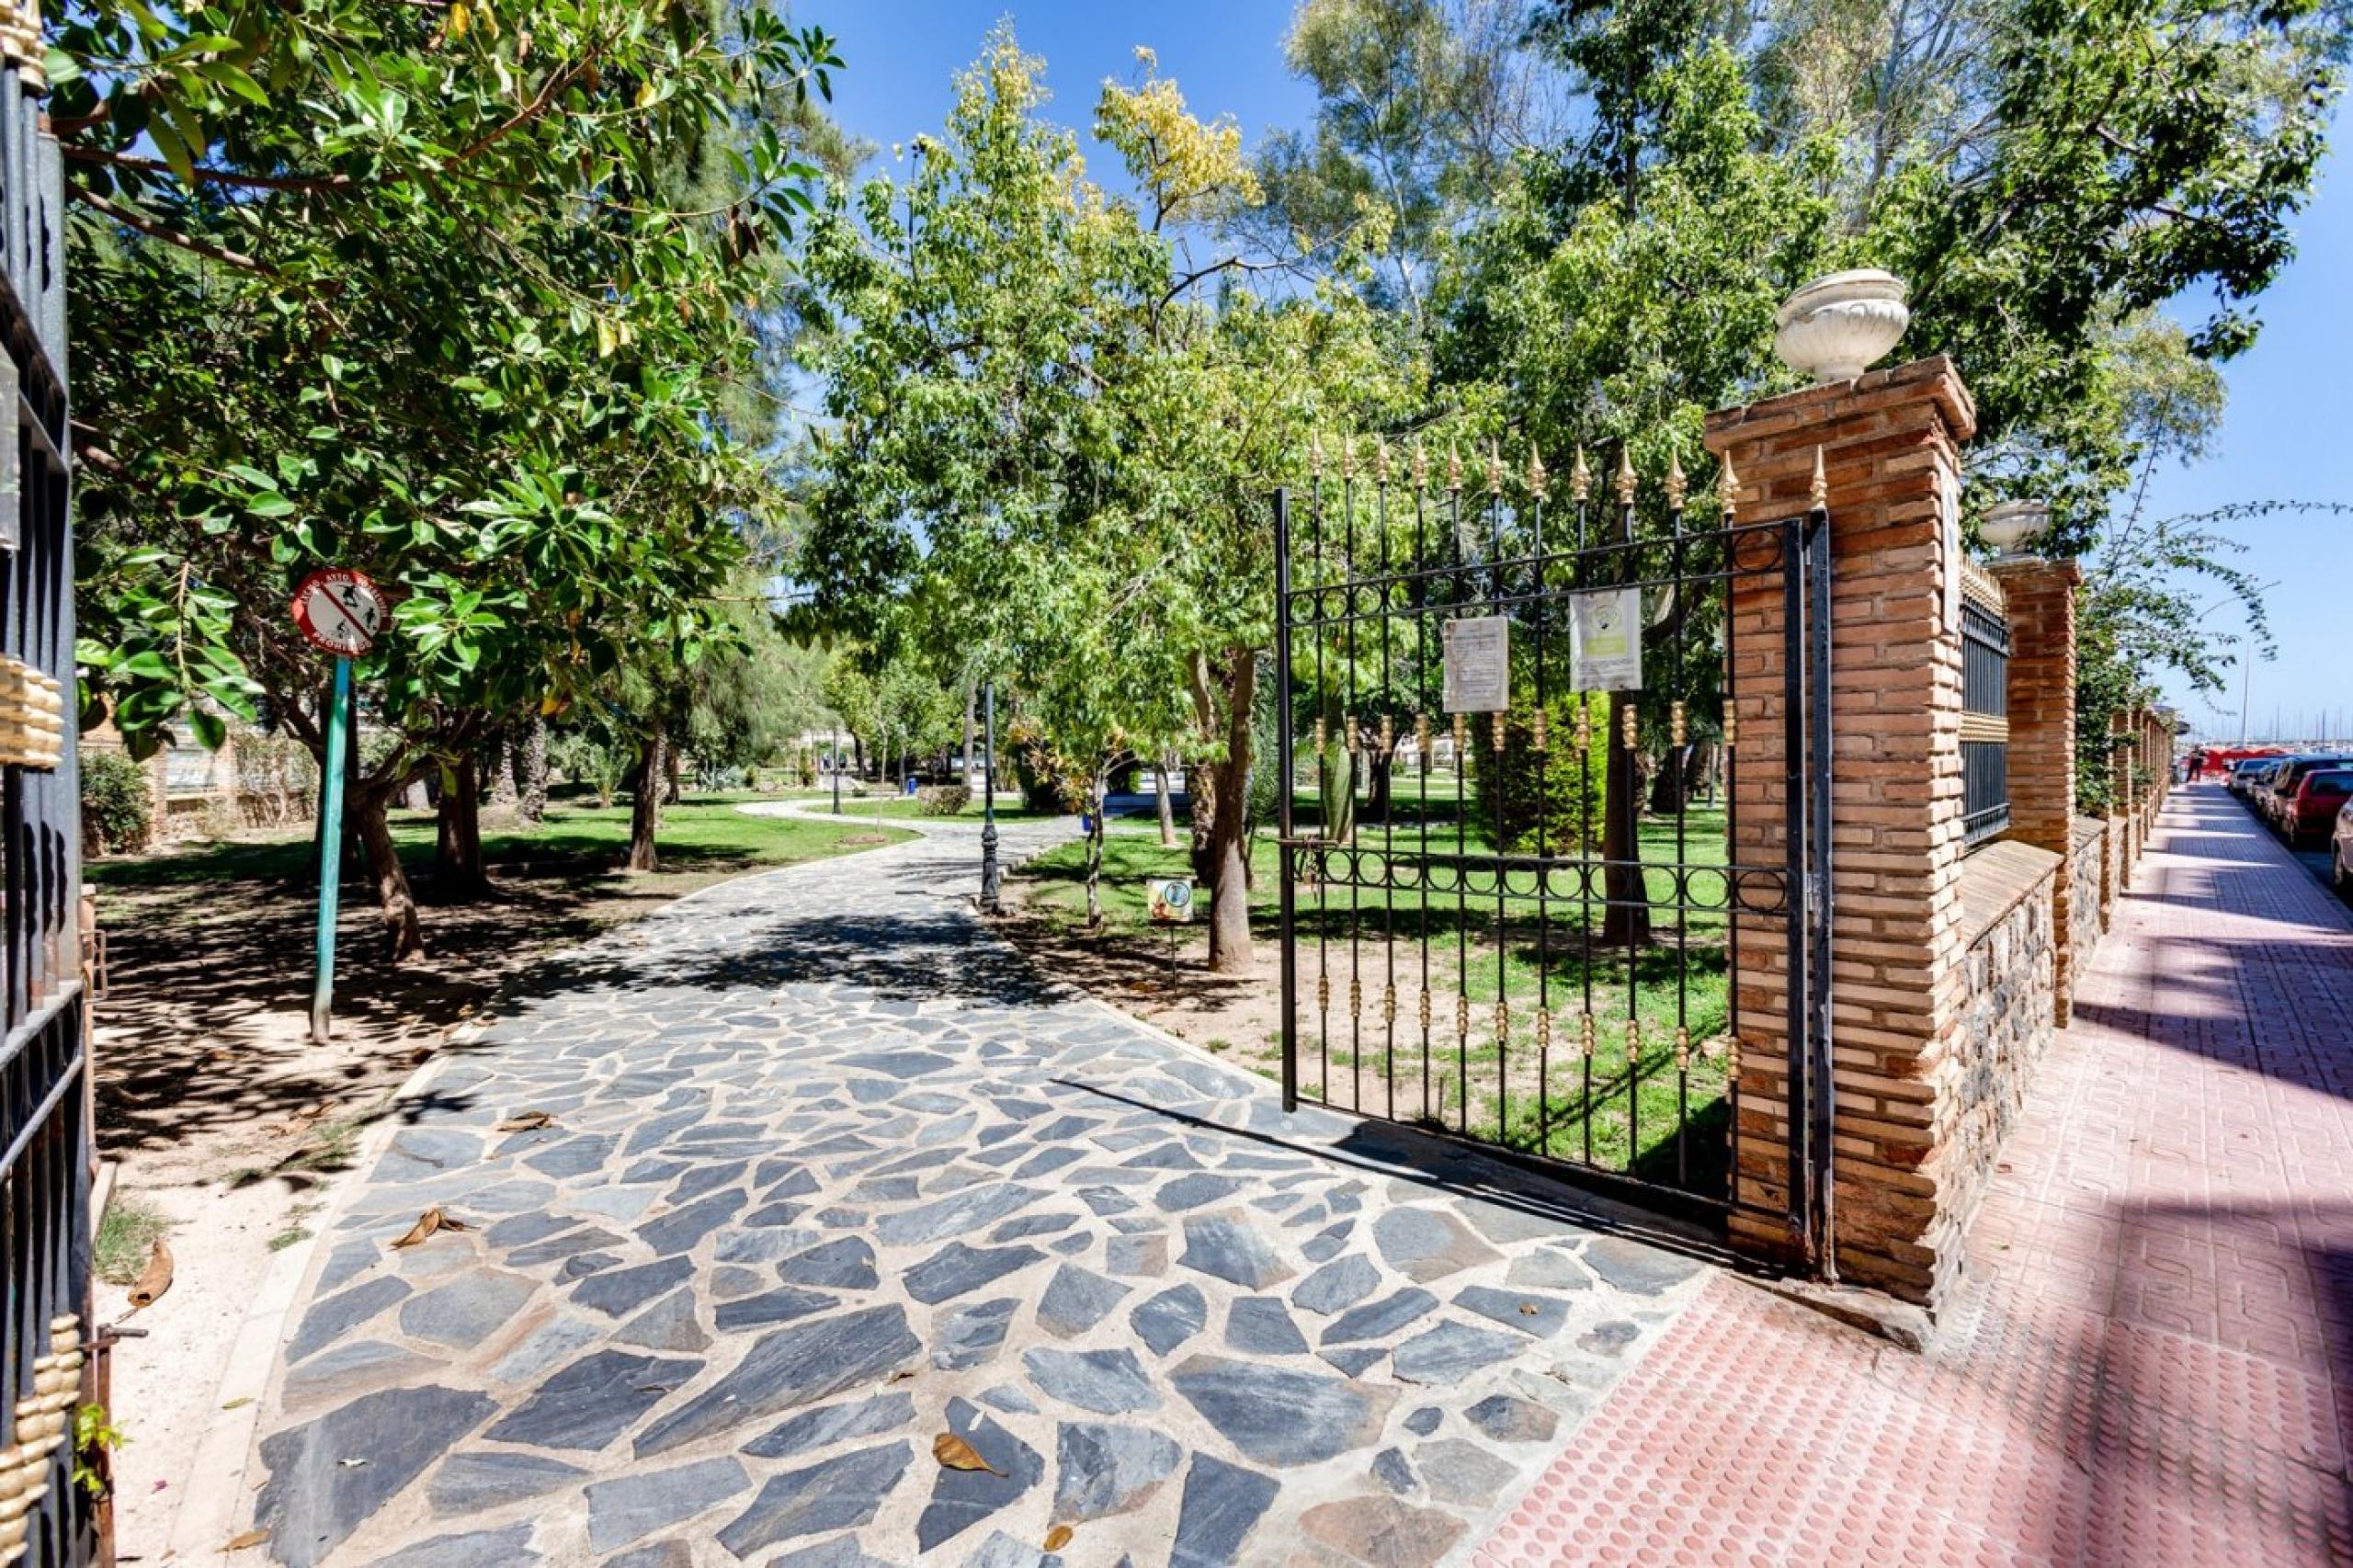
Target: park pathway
x: 2153, y: 1361
x: 829, y: 1172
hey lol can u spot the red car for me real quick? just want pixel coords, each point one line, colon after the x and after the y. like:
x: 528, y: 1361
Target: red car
x: 2309, y: 815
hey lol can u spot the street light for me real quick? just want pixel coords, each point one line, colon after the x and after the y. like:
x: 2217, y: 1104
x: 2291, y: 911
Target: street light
x: 834, y: 766
x: 988, y: 800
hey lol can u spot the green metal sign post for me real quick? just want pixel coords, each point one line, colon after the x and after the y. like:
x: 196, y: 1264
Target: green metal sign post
x: 331, y: 846
x: 339, y: 611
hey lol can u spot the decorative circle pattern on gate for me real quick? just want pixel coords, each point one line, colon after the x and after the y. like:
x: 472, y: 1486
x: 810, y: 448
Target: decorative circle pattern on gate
x: 1517, y: 880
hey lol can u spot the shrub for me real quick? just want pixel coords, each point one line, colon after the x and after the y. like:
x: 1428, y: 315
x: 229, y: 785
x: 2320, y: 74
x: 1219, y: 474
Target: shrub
x: 116, y: 810
x: 942, y: 799
x: 1567, y: 798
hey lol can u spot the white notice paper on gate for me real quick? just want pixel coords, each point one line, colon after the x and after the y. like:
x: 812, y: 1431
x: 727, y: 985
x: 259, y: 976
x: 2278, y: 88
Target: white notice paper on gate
x: 1606, y: 640
x: 1478, y: 665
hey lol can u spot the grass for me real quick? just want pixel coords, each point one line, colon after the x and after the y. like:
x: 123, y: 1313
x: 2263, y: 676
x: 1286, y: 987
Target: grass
x: 1009, y: 808
x: 1660, y: 1114
x: 701, y: 833
x: 127, y: 1236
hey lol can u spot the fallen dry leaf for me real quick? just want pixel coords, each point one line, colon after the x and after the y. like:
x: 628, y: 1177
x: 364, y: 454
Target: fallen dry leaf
x: 1528, y: 1309
x: 426, y: 1223
x: 1058, y: 1538
x: 524, y: 1121
x: 899, y: 1377
x: 155, y: 1279
x: 239, y: 1542
x: 957, y: 1454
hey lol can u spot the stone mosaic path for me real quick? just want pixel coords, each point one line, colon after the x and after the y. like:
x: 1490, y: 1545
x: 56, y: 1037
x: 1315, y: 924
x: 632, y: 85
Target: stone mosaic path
x: 829, y: 1173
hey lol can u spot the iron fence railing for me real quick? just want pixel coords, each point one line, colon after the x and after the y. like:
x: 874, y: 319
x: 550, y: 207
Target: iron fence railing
x: 45, y: 1130
x: 1984, y: 737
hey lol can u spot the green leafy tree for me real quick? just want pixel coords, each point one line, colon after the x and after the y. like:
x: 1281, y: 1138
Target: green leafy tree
x: 403, y: 288
x: 1060, y: 427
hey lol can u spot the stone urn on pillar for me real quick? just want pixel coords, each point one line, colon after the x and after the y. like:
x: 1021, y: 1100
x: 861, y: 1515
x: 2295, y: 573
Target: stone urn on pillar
x: 2010, y: 526
x: 1837, y: 327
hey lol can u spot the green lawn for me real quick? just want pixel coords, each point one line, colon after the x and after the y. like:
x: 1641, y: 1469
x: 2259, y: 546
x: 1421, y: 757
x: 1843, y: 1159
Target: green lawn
x: 1664, y: 1117
x: 1009, y: 808
x: 702, y: 833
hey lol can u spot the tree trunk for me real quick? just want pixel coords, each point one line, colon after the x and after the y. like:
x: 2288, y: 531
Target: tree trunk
x: 1168, y: 810
x: 971, y: 710
x: 403, y: 931
x: 457, y: 853
x: 531, y: 772
x: 503, y: 769
x: 1094, y: 854
x: 670, y: 794
x: 1670, y: 786
x: 1220, y: 795
x: 645, y: 801
x: 1628, y: 919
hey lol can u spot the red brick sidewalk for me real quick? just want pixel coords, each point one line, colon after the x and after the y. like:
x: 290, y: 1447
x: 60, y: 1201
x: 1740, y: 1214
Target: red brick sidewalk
x: 2152, y: 1361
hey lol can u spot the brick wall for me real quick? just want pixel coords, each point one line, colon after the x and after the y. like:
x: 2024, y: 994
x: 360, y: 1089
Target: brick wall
x: 1889, y: 445
x: 2038, y: 598
x: 2087, y: 904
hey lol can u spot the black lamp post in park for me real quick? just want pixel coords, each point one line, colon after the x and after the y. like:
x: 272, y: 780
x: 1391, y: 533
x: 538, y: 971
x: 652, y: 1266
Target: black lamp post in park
x: 988, y: 800
x: 834, y: 766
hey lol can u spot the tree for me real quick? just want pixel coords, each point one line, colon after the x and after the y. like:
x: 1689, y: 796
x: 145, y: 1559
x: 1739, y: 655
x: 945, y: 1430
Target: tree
x: 1060, y: 428
x: 401, y: 292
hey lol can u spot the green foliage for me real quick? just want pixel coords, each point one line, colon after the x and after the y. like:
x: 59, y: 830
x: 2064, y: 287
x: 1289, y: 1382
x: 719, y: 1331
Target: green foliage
x: 96, y: 1438
x: 128, y: 1232
x: 416, y: 291
x: 754, y: 694
x: 593, y: 755
x: 116, y: 806
x: 1551, y: 800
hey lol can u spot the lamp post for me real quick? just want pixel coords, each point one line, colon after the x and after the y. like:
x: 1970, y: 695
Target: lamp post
x: 988, y: 800
x: 833, y: 766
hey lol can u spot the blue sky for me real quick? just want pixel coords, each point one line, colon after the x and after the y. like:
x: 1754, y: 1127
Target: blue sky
x: 2286, y: 435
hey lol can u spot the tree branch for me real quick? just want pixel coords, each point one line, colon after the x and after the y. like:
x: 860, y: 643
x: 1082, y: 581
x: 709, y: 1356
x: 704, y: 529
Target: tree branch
x: 156, y: 231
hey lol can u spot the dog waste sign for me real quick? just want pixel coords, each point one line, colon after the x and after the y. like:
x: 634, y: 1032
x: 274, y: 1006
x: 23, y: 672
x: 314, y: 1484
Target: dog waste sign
x: 1478, y: 663
x: 1172, y: 900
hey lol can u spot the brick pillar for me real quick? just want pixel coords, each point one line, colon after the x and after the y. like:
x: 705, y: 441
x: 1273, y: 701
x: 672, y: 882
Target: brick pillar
x: 1890, y: 443
x: 2040, y: 599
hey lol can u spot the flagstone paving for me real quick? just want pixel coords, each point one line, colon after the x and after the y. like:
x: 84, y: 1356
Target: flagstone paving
x: 830, y: 1172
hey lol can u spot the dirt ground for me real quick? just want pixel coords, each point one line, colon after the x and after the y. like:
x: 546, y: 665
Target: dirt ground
x: 216, y: 1110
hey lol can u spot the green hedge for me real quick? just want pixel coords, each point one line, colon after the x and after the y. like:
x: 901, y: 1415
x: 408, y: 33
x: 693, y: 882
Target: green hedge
x: 1564, y: 795
x: 115, y: 807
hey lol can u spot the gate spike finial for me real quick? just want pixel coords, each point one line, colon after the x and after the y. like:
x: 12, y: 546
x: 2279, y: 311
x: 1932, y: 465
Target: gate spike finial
x: 1494, y: 467
x: 1580, y: 478
x: 1537, y: 477
x: 1380, y: 459
x: 1819, y: 491
x: 1626, y: 474
x: 1453, y: 465
x: 1677, y: 485
x: 1421, y: 465
x: 1348, y: 456
x: 1728, y: 488
x: 1315, y: 455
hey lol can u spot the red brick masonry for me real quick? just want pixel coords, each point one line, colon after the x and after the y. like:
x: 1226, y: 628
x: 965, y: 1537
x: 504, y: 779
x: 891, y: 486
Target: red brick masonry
x: 2150, y: 1358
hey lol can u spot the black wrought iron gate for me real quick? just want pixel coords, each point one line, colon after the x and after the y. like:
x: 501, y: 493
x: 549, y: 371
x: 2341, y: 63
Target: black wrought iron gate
x: 1554, y: 844
x: 45, y: 1518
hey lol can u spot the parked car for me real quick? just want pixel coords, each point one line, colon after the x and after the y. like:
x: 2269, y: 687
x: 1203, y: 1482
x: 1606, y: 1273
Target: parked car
x: 2279, y: 795
x: 2246, y: 770
x: 2320, y: 796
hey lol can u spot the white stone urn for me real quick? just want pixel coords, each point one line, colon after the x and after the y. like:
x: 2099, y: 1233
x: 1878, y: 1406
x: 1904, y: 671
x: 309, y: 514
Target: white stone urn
x: 1835, y: 327
x: 2007, y: 525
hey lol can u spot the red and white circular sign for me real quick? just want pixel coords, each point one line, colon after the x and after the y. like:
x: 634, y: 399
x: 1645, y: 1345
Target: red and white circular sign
x: 339, y: 610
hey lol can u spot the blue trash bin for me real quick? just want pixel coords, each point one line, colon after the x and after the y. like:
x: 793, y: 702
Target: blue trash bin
x: 912, y: 786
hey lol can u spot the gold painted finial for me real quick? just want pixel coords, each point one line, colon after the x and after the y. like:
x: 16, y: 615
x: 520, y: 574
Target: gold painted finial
x: 1380, y: 459
x: 1820, y: 490
x: 1494, y: 467
x: 1421, y: 465
x: 1453, y: 465
x: 1315, y: 456
x: 1728, y: 489
x: 1678, y: 486
x: 1348, y: 456
x: 1537, y: 478
x: 1626, y: 474
x: 1580, y: 478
